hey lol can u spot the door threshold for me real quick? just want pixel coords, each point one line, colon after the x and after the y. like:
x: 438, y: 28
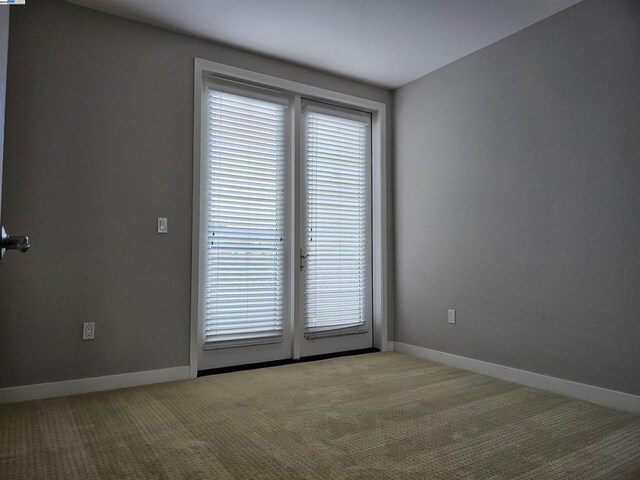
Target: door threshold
x: 286, y: 361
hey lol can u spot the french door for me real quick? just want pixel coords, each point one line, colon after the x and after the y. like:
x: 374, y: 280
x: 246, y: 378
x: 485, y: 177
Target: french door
x: 335, y: 230
x: 276, y: 272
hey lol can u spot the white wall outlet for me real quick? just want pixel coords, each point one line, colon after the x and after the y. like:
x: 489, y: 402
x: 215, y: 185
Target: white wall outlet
x: 89, y: 330
x: 452, y: 316
x: 163, y: 225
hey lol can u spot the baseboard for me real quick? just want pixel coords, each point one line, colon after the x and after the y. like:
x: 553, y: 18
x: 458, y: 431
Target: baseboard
x: 581, y: 391
x: 93, y: 384
x: 589, y: 393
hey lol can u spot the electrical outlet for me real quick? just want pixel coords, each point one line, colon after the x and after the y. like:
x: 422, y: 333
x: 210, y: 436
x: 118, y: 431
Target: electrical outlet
x: 89, y: 330
x: 452, y: 316
x: 163, y: 225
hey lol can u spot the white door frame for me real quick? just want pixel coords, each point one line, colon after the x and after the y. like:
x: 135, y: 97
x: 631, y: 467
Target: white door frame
x: 379, y: 192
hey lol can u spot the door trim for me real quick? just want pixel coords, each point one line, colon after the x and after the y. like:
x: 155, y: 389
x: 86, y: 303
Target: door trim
x: 379, y: 188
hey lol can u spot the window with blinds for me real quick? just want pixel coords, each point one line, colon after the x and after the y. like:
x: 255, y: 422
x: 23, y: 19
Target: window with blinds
x: 245, y: 167
x: 336, y: 243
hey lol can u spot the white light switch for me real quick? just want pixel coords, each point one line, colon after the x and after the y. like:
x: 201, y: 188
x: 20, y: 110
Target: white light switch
x: 452, y: 316
x: 163, y: 226
x: 89, y: 330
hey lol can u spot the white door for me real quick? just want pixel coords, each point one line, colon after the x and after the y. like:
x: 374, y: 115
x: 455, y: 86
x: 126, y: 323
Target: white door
x: 245, y: 242
x: 4, y: 46
x: 336, y: 231
x: 247, y: 230
x: 7, y: 242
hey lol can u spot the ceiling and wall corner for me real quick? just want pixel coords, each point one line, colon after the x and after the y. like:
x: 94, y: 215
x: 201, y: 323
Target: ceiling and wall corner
x: 381, y: 42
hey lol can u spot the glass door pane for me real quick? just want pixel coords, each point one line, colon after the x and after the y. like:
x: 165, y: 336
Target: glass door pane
x: 336, y: 295
x: 244, y: 312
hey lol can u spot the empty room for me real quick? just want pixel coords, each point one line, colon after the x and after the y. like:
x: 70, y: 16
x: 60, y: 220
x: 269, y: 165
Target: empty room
x: 319, y: 239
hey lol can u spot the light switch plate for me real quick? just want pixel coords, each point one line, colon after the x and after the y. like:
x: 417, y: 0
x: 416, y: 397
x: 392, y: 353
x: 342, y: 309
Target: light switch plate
x: 88, y: 330
x: 452, y: 316
x: 163, y: 225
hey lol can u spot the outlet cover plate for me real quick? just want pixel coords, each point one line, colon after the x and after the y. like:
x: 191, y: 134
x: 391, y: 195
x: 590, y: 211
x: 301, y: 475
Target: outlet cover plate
x: 452, y: 316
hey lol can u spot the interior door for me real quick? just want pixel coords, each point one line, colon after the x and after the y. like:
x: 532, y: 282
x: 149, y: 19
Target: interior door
x: 336, y: 258
x: 245, y: 231
x: 7, y: 242
x: 4, y: 46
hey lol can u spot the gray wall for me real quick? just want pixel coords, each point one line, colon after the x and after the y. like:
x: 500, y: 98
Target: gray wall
x: 99, y: 143
x: 518, y: 200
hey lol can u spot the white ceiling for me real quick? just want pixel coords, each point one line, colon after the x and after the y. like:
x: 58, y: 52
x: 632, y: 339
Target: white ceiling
x: 383, y: 42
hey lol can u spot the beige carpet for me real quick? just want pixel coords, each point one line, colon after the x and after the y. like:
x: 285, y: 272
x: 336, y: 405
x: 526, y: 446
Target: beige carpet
x: 363, y: 417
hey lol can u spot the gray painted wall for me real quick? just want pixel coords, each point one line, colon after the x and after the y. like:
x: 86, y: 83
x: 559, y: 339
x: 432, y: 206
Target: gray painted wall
x: 99, y: 143
x: 518, y: 200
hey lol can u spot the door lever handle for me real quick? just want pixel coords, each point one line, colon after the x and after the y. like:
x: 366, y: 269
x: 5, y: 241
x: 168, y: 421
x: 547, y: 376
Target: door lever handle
x: 12, y: 242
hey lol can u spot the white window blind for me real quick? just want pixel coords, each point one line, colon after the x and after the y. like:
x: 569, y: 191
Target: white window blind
x: 245, y: 165
x: 337, y: 263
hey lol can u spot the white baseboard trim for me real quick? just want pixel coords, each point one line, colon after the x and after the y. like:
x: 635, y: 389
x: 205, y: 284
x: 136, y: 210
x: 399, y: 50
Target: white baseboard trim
x: 93, y: 384
x: 581, y: 391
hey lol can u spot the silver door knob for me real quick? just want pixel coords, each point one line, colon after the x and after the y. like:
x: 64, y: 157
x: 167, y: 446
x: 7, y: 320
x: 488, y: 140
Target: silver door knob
x: 12, y: 242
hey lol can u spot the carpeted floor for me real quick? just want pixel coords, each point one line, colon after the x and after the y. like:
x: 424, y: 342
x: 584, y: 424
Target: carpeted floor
x: 381, y: 415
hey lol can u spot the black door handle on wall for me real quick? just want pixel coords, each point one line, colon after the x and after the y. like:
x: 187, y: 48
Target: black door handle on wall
x: 12, y: 242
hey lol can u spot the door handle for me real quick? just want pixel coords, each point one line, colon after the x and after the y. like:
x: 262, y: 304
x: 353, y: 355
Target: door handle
x: 12, y: 242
